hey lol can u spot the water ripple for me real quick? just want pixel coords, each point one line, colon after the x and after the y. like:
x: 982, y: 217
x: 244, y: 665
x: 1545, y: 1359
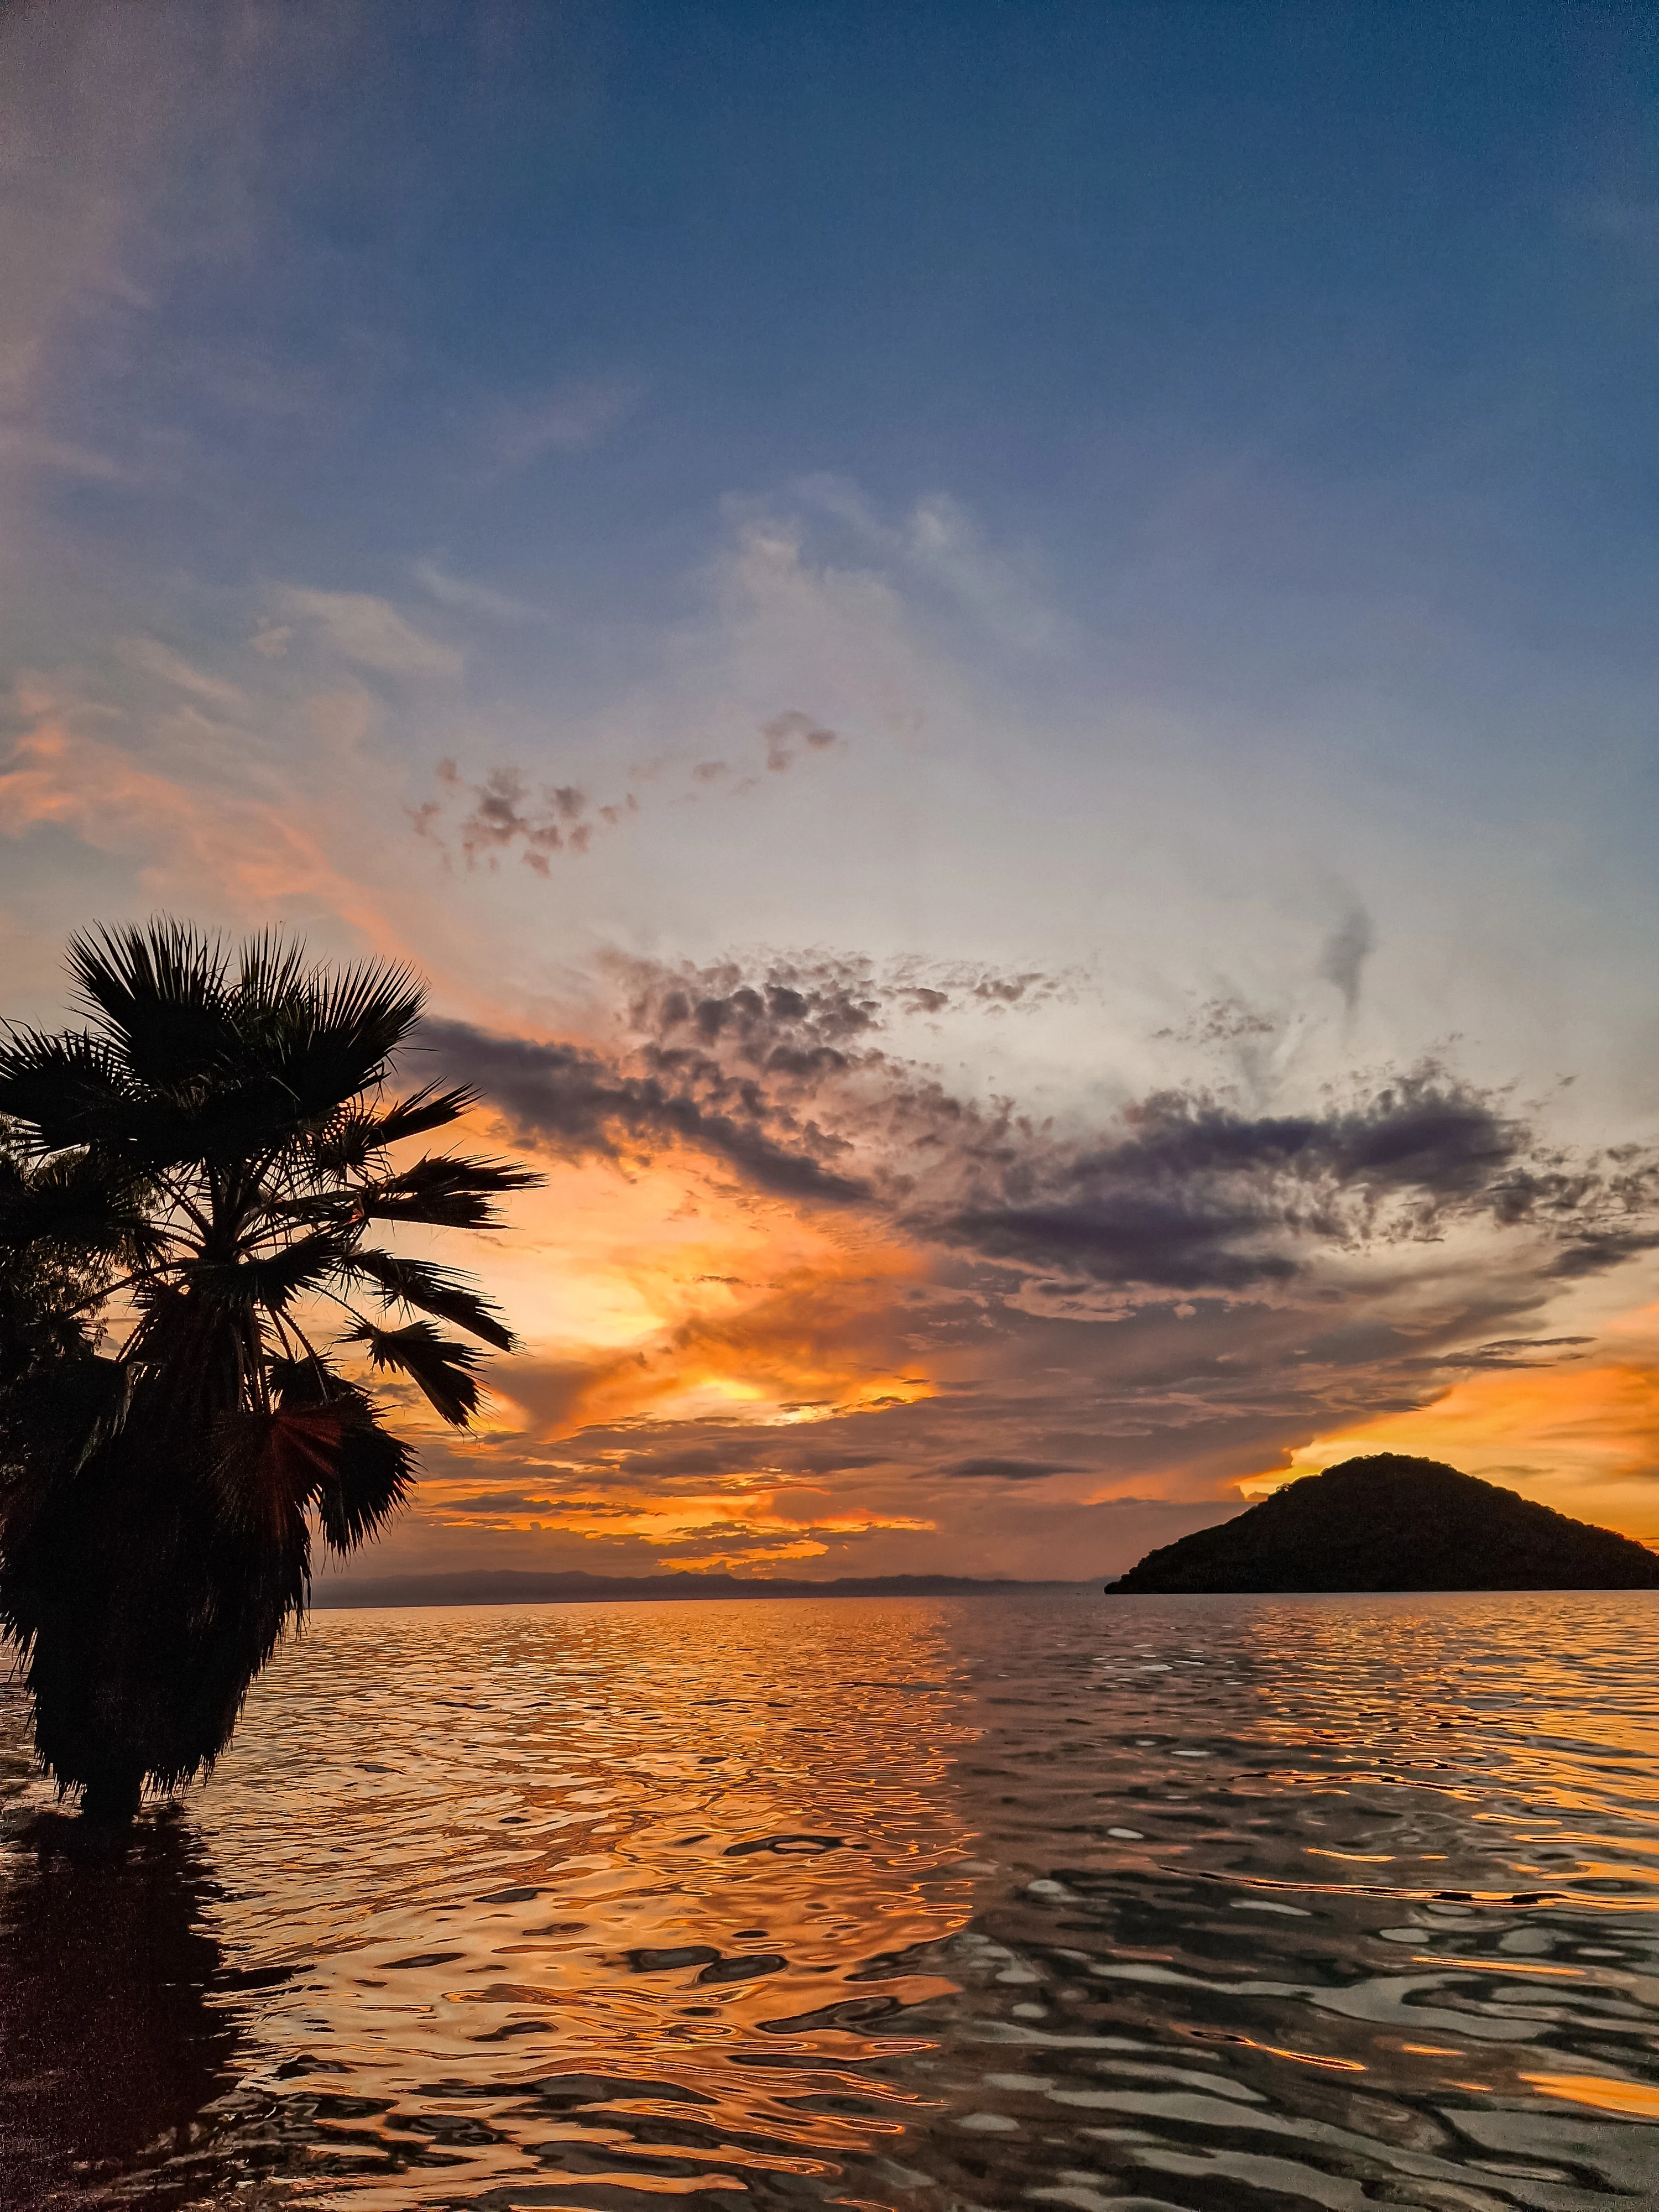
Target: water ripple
x: 1140, y: 1904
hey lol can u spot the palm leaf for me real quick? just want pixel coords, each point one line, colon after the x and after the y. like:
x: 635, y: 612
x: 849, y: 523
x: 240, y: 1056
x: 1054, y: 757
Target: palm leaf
x: 372, y: 1475
x: 62, y: 1090
x: 264, y: 1468
x: 76, y: 1404
x: 311, y: 1381
x: 328, y: 1453
x: 272, y: 1278
x: 76, y: 1203
x: 158, y: 991
x: 74, y: 1090
x: 273, y: 971
x: 353, y: 1139
x: 432, y: 1290
x: 447, y: 1193
x: 334, y: 1037
x: 442, y: 1366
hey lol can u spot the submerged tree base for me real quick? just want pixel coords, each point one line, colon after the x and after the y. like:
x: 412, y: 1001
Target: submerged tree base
x: 112, y: 1801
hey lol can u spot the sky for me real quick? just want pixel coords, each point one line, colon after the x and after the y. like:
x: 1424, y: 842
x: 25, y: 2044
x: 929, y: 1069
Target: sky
x: 998, y: 660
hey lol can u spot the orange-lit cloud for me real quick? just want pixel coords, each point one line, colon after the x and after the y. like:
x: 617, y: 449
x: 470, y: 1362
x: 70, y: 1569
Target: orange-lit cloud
x: 746, y: 1525
x: 662, y: 1292
x: 1583, y: 1437
x: 187, y: 837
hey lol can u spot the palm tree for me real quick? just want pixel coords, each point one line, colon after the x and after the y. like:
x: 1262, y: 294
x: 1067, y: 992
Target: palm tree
x: 186, y: 1205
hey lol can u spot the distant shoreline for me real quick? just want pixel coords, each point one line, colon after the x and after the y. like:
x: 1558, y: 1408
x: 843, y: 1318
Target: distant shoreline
x: 521, y: 1586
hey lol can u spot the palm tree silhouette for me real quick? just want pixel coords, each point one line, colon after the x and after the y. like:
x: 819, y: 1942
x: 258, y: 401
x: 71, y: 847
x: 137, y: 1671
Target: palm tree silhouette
x: 213, y: 1153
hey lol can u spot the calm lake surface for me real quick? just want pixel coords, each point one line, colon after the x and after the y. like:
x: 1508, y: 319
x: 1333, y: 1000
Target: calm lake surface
x: 1036, y: 1899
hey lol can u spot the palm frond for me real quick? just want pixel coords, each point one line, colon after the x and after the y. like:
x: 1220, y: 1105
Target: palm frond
x: 62, y: 1090
x: 428, y: 1108
x: 270, y: 1279
x: 442, y: 1366
x: 298, y: 1383
x: 76, y: 1203
x: 76, y: 1090
x: 264, y: 1468
x: 445, y: 1192
x: 158, y: 991
x: 371, y: 1476
x: 333, y: 1455
x: 272, y: 971
x: 77, y: 1403
x: 358, y: 1133
x: 432, y: 1290
x: 334, y: 1037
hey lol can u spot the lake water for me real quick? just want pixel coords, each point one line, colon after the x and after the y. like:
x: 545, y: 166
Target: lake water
x: 1042, y: 1899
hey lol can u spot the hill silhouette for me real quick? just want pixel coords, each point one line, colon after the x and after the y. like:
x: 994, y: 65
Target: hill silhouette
x: 1388, y: 1522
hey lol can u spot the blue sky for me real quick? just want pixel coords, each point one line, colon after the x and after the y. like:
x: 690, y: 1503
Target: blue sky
x: 1192, y: 467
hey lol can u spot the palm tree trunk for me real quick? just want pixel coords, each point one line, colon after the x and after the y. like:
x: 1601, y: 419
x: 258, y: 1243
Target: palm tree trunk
x: 111, y: 1799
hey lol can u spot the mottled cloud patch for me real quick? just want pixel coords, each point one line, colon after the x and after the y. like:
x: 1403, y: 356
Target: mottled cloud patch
x: 505, y: 814
x: 790, y: 1076
x: 1070, y: 1338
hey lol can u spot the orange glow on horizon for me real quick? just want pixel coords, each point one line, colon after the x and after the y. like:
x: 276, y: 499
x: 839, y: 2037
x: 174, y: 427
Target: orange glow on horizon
x: 1584, y: 1439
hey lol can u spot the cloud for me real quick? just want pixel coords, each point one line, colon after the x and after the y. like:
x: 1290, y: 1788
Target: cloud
x: 366, y: 631
x: 1194, y: 1195
x: 790, y: 1080
x: 1002, y: 1470
x: 175, y: 784
x: 507, y: 813
x: 569, y: 419
x: 471, y: 598
x: 1346, y: 951
x: 940, y: 546
x: 577, y: 1103
x: 24, y: 446
x: 1170, y: 1296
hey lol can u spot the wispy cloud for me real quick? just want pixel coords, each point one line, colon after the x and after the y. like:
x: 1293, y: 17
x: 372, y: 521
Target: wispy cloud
x: 238, y: 840
x: 469, y: 596
x: 23, y: 445
x: 514, y: 434
x: 1346, y: 951
x: 366, y: 631
x: 939, y: 545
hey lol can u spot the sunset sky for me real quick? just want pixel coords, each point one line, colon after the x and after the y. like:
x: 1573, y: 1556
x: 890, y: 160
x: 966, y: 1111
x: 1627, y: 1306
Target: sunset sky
x: 1000, y: 661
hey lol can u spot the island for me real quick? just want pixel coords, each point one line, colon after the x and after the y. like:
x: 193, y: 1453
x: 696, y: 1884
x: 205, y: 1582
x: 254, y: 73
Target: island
x: 1389, y: 1523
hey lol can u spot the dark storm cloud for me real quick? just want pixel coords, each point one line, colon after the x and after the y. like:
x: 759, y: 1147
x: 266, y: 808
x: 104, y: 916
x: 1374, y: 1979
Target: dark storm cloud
x: 786, y: 1073
x: 575, y: 1102
x: 1196, y: 1195
x: 781, y: 1077
x: 1001, y: 1470
x: 1594, y: 1255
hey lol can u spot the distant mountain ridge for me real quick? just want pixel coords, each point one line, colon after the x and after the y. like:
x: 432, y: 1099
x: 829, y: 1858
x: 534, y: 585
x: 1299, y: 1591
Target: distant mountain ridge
x: 521, y: 1586
x: 1389, y: 1522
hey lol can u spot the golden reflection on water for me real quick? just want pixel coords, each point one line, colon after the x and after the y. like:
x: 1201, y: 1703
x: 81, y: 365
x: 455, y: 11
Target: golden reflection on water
x: 1175, y: 1906
x: 491, y: 1867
